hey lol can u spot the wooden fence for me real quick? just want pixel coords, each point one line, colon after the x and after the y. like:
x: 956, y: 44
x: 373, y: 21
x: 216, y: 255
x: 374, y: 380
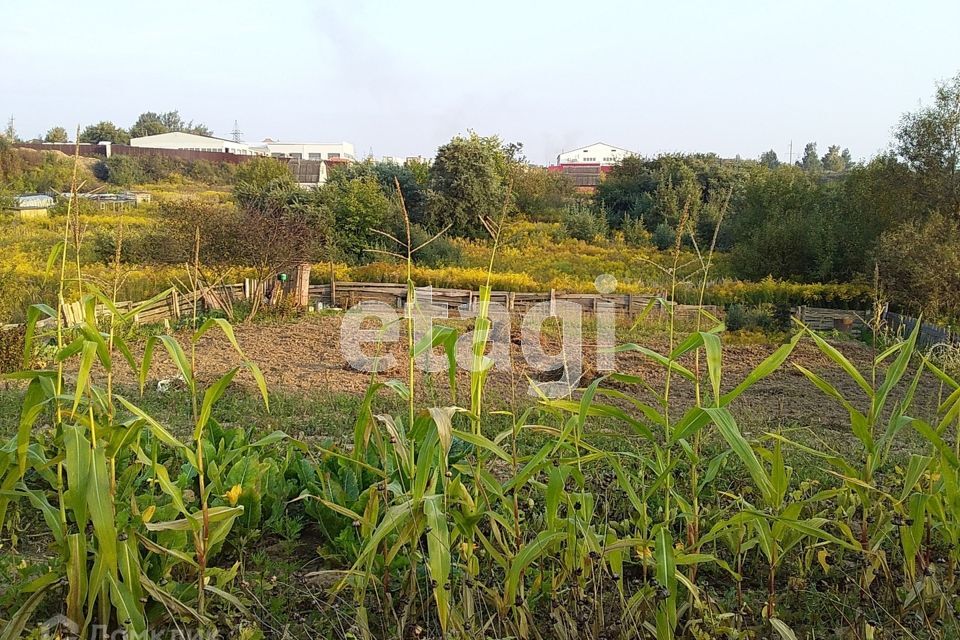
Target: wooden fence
x: 347, y: 294
x: 174, y: 306
x: 821, y: 319
x: 179, y: 305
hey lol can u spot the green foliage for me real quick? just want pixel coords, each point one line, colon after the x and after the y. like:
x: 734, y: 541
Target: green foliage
x: 420, y: 170
x: 835, y: 160
x: 261, y: 171
x: 926, y: 139
x: 441, y: 252
x: 29, y: 171
x: 118, y: 545
x: 919, y: 265
x: 678, y: 518
x: 664, y: 236
x: 660, y: 190
x: 56, y: 134
x: 150, y: 124
x: 635, y: 233
x: 104, y: 131
x: 537, y: 191
x: 357, y: 207
x: 763, y: 317
x: 388, y: 175
x: 580, y: 223
x: 789, y: 225
x: 123, y: 171
x: 468, y: 180
x: 810, y: 160
x: 769, y: 159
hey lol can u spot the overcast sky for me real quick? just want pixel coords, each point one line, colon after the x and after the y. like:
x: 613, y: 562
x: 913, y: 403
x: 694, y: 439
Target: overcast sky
x: 402, y: 77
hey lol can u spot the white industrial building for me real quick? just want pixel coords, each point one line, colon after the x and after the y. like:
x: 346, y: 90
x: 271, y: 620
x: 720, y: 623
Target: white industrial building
x: 402, y: 160
x: 308, y: 150
x: 193, y: 142
x: 596, y: 153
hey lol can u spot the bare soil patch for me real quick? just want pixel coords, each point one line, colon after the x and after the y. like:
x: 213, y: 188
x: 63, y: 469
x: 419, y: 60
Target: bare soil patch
x: 304, y: 356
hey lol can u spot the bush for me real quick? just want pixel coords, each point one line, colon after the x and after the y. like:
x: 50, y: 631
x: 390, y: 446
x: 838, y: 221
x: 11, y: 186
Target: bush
x: 120, y: 170
x: 440, y: 252
x: 635, y: 234
x: 260, y: 172
x: 137, y: 247
x: 764, y: 317
x: 210, y: 173
x: 664, y: 236
x: 770, y: 291
x: 583, y: 224
x: 920, y: 267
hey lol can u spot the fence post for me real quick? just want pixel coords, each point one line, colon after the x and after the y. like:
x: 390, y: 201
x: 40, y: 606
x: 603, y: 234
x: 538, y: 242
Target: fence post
x: 553, y: 302
x: 333, y: 287
x: 176, y: 304
x: 301, y: 285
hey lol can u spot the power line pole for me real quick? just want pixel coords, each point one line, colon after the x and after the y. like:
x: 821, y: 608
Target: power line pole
x: 791, y: 152
x: 237, y: 134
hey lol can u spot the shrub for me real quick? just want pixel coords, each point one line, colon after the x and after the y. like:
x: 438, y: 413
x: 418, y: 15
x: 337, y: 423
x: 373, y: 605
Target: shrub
x: 120, y: 170
x: 583, y: 224
x: 136, y: 248
x: 920, y: 267
x: 440, y: 252
x: 664, y: 236
x: 635, y: 234
x: 259, y: 172
x: 765, y: 317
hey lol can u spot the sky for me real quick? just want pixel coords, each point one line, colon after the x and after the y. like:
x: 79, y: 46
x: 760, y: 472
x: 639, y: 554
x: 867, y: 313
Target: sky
x: 400, y: 78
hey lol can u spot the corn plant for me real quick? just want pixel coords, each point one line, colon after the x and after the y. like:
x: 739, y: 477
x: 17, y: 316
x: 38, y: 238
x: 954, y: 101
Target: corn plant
x: 114, y: 557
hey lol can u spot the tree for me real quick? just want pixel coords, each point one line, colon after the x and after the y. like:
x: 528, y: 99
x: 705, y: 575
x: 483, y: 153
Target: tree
x: 151, y: 123
x: 658, y: 190
x: 56, y: 134
x: 920, y: 267
x: 847, y: 159
x: 928, y: 140
x: 583, y: 224
x: 787, y: 225
x: 769, y: 159
x: 10, y: 132
x: 468, y: 180
x: 833, y: 160
x: 148, y: 124
x: 104, y: 131
x: 537, y: 190
x: 281, y: 227
x: 420, y: 170
x: 356, y: 208
x: 388, y: 175
x: 124, y: 171
x: 261, y: 171
x: 810, y: 160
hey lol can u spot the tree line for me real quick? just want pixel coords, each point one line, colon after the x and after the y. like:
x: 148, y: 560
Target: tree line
x: 147, y: 124
x: 825, y: 218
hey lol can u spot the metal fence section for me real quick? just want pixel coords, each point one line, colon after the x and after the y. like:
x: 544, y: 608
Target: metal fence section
x: 930, y: 334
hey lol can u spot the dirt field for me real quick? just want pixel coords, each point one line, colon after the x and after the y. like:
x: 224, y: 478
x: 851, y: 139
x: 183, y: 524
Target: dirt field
x: 304, y: 356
